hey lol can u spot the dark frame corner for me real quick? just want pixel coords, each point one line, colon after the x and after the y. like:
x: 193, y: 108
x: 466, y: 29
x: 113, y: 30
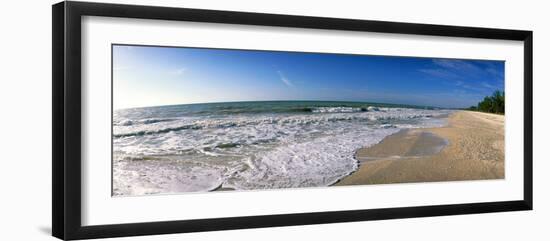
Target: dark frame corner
x: 66, y: 86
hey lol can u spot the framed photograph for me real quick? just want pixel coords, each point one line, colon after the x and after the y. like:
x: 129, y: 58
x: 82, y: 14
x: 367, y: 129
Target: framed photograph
x: 169, y: 120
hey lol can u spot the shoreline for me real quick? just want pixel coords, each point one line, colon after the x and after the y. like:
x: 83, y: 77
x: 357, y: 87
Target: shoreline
x: 469, y: 147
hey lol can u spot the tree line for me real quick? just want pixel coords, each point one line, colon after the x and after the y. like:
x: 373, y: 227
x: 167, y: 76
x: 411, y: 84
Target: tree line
x: 491, y: 104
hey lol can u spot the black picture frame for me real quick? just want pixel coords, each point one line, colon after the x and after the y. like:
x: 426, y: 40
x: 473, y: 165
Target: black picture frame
x: 66, y: 127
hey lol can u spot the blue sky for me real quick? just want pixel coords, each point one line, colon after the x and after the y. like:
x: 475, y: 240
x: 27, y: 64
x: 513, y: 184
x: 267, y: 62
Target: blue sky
x: 152, y: 76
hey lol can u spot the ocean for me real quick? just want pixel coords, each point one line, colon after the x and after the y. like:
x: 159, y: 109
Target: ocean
x: 250, y: 145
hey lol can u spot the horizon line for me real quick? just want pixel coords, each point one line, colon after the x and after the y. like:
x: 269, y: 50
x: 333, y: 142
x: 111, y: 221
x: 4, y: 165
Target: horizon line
x: 296, y: 100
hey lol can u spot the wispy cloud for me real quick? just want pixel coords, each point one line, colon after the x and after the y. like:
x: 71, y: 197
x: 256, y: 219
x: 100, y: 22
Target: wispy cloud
x: 466, y: 68
x: 489, y: 86
x: 283, y: 78
x: 441, y: 73
x: 493, y: 71
x: 179, y: 71
x: 460, y: 73
x: 457, y: 65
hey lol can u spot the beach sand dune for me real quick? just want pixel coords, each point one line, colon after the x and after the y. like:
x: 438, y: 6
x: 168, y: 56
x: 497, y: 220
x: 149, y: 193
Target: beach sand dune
x: 470, y: 147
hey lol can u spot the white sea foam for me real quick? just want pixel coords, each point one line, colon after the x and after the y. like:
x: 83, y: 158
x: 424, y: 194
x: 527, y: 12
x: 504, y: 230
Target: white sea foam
x: 151, y: 177
x: 188, y: 154
x: 337, y: 109
x: 319, y: 162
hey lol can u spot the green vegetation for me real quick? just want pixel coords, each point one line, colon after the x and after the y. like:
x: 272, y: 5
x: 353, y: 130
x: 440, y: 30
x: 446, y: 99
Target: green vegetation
x: 491, y: 104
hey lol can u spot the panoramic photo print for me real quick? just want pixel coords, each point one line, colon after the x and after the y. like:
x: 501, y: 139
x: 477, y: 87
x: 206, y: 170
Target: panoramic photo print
x: 206, y: 120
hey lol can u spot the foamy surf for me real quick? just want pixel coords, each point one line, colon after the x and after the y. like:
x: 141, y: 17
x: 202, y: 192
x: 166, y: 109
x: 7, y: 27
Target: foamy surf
x: 249, y: 145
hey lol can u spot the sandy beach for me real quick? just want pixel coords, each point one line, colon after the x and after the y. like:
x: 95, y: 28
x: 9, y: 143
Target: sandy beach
x: 470, y: 147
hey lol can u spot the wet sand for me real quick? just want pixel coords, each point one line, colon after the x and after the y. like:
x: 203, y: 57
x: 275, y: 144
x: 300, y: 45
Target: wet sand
x: 470, y: 147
